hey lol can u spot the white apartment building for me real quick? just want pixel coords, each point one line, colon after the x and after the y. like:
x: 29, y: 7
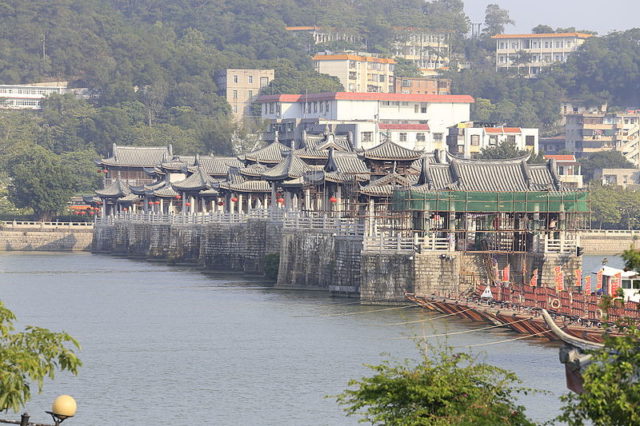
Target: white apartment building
x: 542, y: 50
x: 589, y: 133
x: 358, y: 72
x: 568, y: 168
x: 430, y: 51
x: 467, y: 141
x: 413, y: 121
x: 29, y: 96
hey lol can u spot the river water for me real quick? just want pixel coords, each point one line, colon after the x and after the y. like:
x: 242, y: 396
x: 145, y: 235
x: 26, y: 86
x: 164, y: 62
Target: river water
x: 169, y: 345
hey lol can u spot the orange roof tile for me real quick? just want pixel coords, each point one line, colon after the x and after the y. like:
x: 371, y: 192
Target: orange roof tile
x: 503, y: 130
x: 560, y: 157
x: 301, y: 28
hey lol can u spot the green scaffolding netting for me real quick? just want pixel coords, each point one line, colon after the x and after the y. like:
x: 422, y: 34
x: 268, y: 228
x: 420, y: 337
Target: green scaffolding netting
x: 487, y: 202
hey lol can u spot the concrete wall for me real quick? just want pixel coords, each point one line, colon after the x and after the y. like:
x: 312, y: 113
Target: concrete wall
x: 386, y: 277
x: 45, y: 238
x: 307, y: 260
x: 609, y: 242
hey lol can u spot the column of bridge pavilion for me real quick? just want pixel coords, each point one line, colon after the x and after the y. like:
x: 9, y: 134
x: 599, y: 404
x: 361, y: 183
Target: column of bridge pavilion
x: 159, y: 195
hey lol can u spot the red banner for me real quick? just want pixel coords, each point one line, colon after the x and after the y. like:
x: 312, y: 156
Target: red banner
x: 587, y: 284
x: 559, y: 278
x: 534, y: 278
x: 506, y: 273
x: 578, y: 273
x: 614, y: 284
x: 599, y: 280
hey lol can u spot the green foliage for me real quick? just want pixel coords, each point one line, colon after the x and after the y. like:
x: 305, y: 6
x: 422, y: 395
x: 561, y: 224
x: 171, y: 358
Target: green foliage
x: 542, y: 29
x: 406, y: 68
x: 271, y: 265
x: 631, y: 259
x: 501, y: 151
x: 29, y: 357
x: 601, y: 160
x: 291, y: 80
x: 40, y: 181
x: 611, y: 387
x: 615, y: 208
x: 495, y: 19
x: 444, y: 388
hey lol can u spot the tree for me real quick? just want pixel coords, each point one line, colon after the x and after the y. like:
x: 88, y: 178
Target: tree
x: 406, y: 68
x: 501, y: 151
x: 542, y: 29
x: 495, y: 20
x: 444, y: 388
x: 30, y: 356
x: 40, y: 181
x: 602, y: 160
x: 611, y: 387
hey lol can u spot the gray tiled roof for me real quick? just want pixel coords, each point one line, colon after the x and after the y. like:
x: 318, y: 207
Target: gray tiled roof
x: 289, y: 168
x: 199, y: 180
x: 165, y: 192
x: 253, y: 170
x: 216, y: 166
x: 137, y: 156
x: 270, y: 154
x: 251, y: 186
x: 117, y: 189
x: 384, y: 186
x: 389, y: 150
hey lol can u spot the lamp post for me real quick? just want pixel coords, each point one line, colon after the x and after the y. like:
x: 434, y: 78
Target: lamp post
x: 63, y: 408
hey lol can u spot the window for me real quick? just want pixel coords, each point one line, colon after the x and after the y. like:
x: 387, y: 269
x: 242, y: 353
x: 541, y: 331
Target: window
x: 250, y: 93
x: 475, y: 140
x: 321, y: 107
x: 416, y: 108
x: 315, y: 107
x: 403, y: 137
x: 406, y: 83
x: 250, y: 79
x: 326, y: 106
x: 437, y: 137
x: 547, y: 44
x: 352, y: 64
x: 264, y: 81
x: 493, y: 140
x: 502, y: 45
x: 511, y: 138
x: 366, y: 136
x: 235, y: 94
x: 559, y: 45
x: 235, y: 108
x: 420, y: 137
x: 423, y: 109
x: 530, y: 140
x: 235, y: 78
x: 353, y: 75
x: 382, y: 79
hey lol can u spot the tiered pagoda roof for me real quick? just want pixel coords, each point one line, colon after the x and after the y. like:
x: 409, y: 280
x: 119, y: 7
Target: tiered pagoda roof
x: 216, y: 166
x: 270, y: 154
x: 291, y: 167
x: 390, y: 151
x: 117, y: 189
x: 384, y: 186
x: 137, y: 156
x: 198, y: 181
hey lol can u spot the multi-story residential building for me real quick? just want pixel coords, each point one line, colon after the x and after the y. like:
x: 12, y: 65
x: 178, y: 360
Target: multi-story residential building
x: 241, y: 87
x: 568, y: 168
x: 358, y: 72
x: 422, y: 86
x: 323, y: 35
x: 30, y: 96
x: 589, y: 133
x: 467, y: 139
x: 529, y: 53
x: 413, y: 121
x: 552, y: 145
x: 428, y: 50
x: 621, y: 177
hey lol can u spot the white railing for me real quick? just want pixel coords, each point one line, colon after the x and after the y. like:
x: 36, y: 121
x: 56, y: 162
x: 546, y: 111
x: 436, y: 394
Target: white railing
x: 29, y: 224
x: 567, y: 244
x: 387, y: 241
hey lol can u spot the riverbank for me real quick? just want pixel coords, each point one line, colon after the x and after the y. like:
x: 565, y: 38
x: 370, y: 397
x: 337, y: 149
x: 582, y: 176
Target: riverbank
x: 45, y: 236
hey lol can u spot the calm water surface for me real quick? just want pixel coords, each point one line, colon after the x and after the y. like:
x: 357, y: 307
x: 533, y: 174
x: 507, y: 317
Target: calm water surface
x: 173, y: 346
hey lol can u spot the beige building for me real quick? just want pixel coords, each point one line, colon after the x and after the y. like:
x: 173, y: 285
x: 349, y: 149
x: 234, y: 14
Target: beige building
x: 428, y: 50
x: 589, y: 133
x: 467, y: 140
x: 422, y: 86
x: 540, y: 50
x: 241, y: 86
x: 358, y: 72
x: 622, y: 177
x: 568, y: 168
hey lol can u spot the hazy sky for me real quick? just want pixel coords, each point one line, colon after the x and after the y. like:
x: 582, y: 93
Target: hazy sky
x: 602, y: 16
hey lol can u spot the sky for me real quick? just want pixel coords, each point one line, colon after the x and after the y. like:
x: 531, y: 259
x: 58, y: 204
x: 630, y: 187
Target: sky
x: 602, y: 16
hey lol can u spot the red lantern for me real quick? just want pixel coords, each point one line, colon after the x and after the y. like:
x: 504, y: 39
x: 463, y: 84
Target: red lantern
x: 221, y: 203
x: 105, y: 171
x: 157, y: 203
x: 150, y: 203
x: 234, y: 199
x: 91, y: 213
x: 333, y: 200
x: 82, y: 213
x: 178, y: 196
x: 125, y: 209
x: 281, y: 200
x: 187, y: 204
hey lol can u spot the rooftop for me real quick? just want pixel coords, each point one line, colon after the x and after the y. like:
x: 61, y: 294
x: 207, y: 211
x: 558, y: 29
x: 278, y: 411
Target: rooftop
x: 355, y: 96
x: 544, y: 35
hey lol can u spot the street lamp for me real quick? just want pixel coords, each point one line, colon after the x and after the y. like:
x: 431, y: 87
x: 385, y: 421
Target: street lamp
x: 63, y: 407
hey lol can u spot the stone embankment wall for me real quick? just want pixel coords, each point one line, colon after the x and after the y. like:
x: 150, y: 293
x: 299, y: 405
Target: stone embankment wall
x: 45, y: 237
x: 609, y: 242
